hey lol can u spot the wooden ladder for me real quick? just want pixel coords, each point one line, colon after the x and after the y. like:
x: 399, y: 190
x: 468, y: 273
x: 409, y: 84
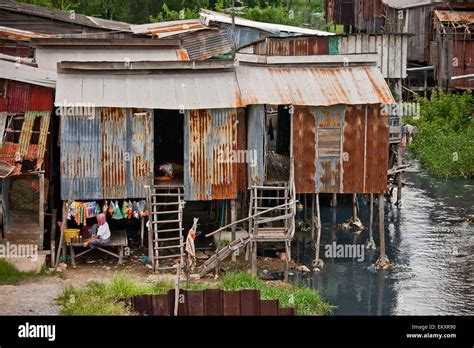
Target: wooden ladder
x: 166, y: 224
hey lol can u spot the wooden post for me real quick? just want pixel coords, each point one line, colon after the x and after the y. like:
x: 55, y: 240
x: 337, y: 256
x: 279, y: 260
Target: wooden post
x: 381, y: 227
x: 399, y: 179
x: 334, y: 199
x: 54, y: 219
x: 371, y: 217
x: 41, y: 208
x: 176, y: 288
x: 318, y: 226
x: 142, y: 230
x: 354, y: 207
x: 313, y: 198
x: 61, y: 236
x: 254, y: 258
x: 233, y: 218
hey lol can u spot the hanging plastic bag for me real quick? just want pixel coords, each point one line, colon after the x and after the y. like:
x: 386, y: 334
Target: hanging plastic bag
x: 117, y: 214
x: 129, y: 210
x: 136, y: 211
x: 111, y: 207
x: 125, y: 208
x: 105, y: 208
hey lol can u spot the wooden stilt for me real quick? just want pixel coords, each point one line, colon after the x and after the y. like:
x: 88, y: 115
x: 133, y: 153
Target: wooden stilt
x: 354, y: 206
x: 54, y: 218
x: 381, y: 227
x: 371, y: 216
x: 254, y: 258
x: 318, y: 227
x: 142, y: 230
x: 61, y: 237
x: 313, y: 198
x: 287, y: 251
x: 41, y: 209
x: 399, y: 178
x: 334, y: 200
x: 233, y: 218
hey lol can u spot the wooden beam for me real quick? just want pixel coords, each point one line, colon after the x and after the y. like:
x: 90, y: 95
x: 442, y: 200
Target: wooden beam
x: 104, y: 43
x: 381, y: 227
x: 41, y: 208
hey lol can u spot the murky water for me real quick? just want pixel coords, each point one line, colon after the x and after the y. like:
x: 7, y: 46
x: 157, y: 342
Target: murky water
x: 428, y: 241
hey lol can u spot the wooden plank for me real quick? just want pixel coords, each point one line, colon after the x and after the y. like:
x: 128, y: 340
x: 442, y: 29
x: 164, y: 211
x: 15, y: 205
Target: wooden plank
x: 231, y: 302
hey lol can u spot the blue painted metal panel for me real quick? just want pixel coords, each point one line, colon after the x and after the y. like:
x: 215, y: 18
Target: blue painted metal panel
x: 80, y: 157
x: 110, y: 155
x: 255, y: 136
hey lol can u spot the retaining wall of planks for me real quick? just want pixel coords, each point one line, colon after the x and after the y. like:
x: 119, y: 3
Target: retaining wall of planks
x: 209, y: 302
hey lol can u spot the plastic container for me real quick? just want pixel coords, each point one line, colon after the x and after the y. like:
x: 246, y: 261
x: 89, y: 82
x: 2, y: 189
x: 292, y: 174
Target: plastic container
x: 71, y: 233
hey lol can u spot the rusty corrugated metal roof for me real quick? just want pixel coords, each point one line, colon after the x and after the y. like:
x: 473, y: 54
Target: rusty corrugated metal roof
x: 169, y: 28
x: 227, y: 88
x: 312, y: 86
x: 20, y: 35
x: 402, y: 4
x: 461, y: 17
x: 206, y: 44
x: 167, y: 90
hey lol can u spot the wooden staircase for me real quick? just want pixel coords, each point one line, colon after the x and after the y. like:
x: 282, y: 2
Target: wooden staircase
x: 272, y: 225
x: 166, y: 206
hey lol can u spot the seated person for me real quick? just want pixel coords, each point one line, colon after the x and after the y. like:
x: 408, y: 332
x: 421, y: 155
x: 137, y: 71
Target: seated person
x: 100, y: 233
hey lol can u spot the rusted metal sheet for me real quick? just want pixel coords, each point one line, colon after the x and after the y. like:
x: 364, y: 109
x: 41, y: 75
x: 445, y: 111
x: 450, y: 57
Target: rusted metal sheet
x: 206, y: 44
x: 241, y: 147
x: 376, y: 166
x: 18, y: 96
x: 312, y: 86
x: 255, y: 136
x: 81, y: 157
x: 293, y: 46
x: 114, y: 152
x: 231, y: 302
x: 20, y: 35
x: 41, y: 98
x: 458, y: 17
x: 210, y: 144
x: 353, y: 149
x: 210, y: 302
x: 463, y: 51
x: 140, y: 138
x: 304, y: 148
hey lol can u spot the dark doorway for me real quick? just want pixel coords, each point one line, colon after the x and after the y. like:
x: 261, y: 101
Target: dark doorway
x: 169, y: 142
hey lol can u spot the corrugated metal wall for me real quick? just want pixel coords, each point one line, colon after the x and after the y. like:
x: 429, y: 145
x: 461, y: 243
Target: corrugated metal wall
x: 210, y: 137
x: 109, y: 156
x: 255, y: 136
x: 340, y: 149
x: 293, y: 46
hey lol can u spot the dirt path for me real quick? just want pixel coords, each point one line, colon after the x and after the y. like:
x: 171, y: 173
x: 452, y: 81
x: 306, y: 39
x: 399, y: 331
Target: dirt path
x: 38, y: 297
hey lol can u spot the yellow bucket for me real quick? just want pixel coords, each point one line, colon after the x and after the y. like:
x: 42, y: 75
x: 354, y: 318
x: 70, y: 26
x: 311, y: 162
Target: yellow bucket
x: 71, y: 233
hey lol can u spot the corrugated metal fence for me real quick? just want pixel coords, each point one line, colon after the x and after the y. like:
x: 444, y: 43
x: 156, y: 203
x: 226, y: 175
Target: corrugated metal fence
x: 210, y: 302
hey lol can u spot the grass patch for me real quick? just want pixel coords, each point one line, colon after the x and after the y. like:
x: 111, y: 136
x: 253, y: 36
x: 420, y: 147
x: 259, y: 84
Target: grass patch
x: 105, y: 298
x: 10, y: 275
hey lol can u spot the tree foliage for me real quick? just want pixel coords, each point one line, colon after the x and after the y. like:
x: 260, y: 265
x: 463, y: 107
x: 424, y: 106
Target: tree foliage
x: 291, y: 12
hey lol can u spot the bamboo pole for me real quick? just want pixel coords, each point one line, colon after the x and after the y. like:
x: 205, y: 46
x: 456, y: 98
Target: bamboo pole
x: 354, y: 207
x: 381, y: 227
x: 233, y: 218
x: 41, y: 208
x: 318, y: 226
x: 53, y: 236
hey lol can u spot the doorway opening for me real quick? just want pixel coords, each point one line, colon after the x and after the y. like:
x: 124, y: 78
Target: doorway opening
x: 277, y: 143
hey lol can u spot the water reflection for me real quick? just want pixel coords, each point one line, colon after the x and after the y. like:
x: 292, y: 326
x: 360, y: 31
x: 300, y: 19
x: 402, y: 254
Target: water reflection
x: 428, y: 240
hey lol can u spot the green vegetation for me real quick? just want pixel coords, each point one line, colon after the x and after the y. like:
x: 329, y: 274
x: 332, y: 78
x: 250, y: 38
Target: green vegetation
x: 10, y: 275
x: 446, y: 141
x: 106, y: 298
x: 294, y: 12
